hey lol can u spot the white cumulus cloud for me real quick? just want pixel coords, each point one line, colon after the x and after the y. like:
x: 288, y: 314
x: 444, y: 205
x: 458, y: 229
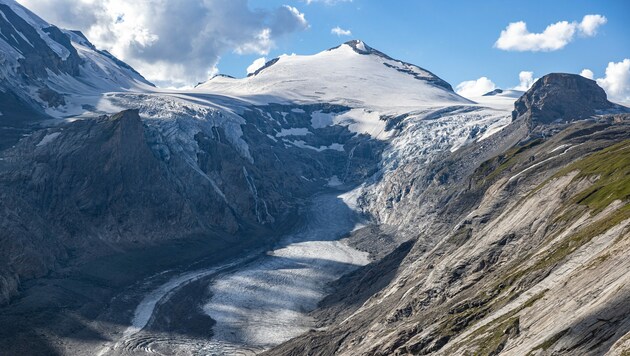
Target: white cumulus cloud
x: 526, y: 80
x: 516, y: 36
x: 173, y: 42
x: 472, y: 88
x: 590, y: 24
x: 587, y: 73
x: 616, y: 83
x: 340, y: 31
x: 256, y: 65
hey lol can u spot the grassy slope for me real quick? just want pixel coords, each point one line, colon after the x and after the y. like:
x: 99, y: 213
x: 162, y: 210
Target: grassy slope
x: 610, y: 171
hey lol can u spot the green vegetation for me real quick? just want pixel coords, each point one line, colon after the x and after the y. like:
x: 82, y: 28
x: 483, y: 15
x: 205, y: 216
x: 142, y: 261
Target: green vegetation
x: 487, y: 171
x: 496, y: 339
x: 599, y: 260
x: 609, y: 170
x: 533, y: 299
x: 491, y: 336
x: 569, y: 245
x: 612, y: 165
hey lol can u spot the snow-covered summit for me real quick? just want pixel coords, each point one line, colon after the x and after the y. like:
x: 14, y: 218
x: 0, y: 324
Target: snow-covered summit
x: 352, y: 74
x: 419, y: 73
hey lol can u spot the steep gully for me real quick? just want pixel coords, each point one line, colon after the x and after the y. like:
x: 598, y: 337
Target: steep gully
x: 256, y: 301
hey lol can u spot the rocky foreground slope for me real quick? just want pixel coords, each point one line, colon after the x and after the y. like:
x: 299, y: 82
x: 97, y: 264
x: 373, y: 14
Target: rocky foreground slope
x: 524, y: 253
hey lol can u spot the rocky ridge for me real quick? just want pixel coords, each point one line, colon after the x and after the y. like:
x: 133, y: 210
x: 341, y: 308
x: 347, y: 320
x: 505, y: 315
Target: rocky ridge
x: 559, y: 98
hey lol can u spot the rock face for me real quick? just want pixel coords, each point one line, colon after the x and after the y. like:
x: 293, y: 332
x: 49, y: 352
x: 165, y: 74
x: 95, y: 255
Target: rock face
x: 515, y: 248
x: 561, y: 97
x: 44, y: 67
x: 91, y: 187
x: 37, y: 55
x: 521, y: 255
x: 493, y: 92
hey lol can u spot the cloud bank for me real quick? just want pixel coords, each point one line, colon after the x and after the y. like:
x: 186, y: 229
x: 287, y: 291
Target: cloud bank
x: 472, y: 88
x: 617, y: 81
x: 256, y: 65
x: 587, y: 73
x: 483, y: 85
x: 526, y: 80
x: 516, y: 36
x: 340, y: 31
x: 173, y: 42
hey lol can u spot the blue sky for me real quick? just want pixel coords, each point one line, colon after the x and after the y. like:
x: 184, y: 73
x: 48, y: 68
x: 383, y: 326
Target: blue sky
x: 455, y: 39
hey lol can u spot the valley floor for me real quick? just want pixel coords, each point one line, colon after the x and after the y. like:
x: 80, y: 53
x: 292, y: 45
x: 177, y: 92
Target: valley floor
x: 243, y: 305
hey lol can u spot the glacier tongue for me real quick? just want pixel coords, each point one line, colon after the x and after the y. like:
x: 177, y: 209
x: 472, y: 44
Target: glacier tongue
x: 267, y: 301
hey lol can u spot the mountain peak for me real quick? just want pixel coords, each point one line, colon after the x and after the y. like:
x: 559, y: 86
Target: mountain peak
x: 360, y: 46
x: 561, y: 97
x: 336, y: 74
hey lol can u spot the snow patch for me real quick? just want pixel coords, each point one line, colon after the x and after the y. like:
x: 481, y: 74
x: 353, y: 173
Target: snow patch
x: 336, y: 147
x: 363, y: 121
x: 360, y: 121
x: 334, y: 181
x: 302, y: 144
x: 48, y: 139
x: 320, y: 120
x: 267, y: 302
x: 300, y: 131
x: 496, y: 127
x: 540, y: 163
x: 558, y: 148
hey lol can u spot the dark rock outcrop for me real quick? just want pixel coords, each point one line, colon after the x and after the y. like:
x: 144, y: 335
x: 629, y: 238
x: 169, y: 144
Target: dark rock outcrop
x: 493, y: 92
x: 72, y: 193
x: 560, y: 98
x: 38, y: 57
x: 93, y: 187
